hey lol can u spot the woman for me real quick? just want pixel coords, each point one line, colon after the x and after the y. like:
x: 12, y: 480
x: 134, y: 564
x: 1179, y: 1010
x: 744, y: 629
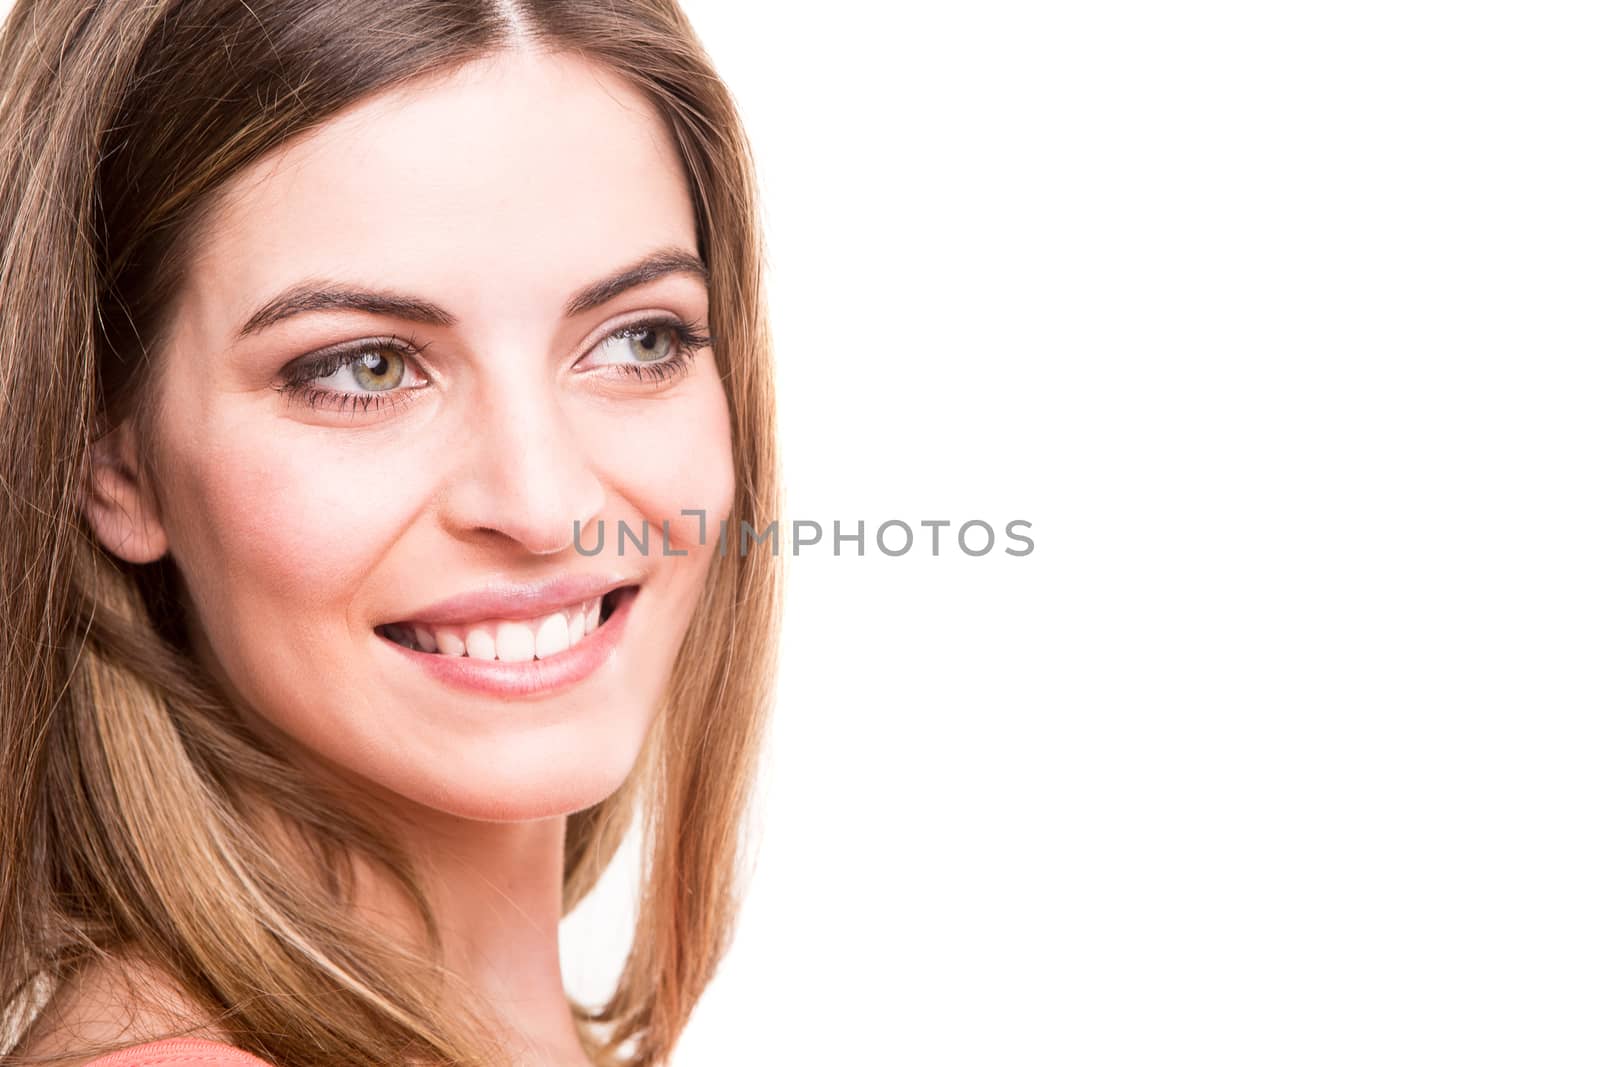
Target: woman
x: 347, y: 349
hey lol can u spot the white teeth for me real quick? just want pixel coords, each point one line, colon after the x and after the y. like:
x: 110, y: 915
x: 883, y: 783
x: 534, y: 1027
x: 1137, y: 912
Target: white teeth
x: 514, y: 642
x: 552, y: 635
x: 424, y: 639
x: 451, y: 642
x: 480, y: 642
x: 510, y: 640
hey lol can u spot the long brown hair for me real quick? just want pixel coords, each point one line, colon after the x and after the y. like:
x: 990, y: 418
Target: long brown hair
x: 129, y: 789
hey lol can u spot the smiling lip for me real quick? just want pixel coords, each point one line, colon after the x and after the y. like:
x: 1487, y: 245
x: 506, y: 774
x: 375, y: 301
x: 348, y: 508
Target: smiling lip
x: 512, y: 601
x: 534, y: 677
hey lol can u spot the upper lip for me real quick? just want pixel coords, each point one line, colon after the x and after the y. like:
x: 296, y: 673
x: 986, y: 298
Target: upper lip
x: 516, y: 600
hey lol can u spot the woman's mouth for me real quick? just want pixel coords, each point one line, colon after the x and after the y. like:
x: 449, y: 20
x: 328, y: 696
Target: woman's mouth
x: 511, y: 640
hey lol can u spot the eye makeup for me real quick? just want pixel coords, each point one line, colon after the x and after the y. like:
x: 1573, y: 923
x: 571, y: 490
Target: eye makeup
x: 384, y: 357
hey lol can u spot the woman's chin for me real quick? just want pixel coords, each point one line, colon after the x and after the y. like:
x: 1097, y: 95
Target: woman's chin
x: 564, y: 776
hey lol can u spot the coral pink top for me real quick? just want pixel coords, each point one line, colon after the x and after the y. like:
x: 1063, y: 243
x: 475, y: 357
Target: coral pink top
x: 188, y: 1051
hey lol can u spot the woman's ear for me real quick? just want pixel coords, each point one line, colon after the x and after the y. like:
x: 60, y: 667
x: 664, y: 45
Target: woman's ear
x: 119, y: 500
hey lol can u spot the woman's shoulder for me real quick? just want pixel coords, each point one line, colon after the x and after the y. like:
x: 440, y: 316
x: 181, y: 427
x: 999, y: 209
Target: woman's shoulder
x: 176, y: 1051
x: 124, y: 1001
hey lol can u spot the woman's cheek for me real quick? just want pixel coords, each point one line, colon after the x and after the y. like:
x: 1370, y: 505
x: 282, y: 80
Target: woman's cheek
x: 668, y: 455
x: 291, y: 518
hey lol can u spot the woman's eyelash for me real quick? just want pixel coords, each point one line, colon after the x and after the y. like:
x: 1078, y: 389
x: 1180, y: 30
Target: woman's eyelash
x: 298, y: 384
x: 686, y: 341
x: 299, y: 377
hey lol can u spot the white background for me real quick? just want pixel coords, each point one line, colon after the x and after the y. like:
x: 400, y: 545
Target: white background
x: 1278, y: 323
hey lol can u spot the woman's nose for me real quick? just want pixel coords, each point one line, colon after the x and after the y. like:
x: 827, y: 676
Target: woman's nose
x: 523, y: 474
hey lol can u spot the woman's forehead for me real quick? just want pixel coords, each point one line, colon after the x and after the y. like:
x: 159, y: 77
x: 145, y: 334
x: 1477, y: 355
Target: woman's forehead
x: 515, y: 177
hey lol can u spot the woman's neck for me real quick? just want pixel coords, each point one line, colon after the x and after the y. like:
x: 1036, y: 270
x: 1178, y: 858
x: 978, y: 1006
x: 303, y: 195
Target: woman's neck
x: 495, y: 889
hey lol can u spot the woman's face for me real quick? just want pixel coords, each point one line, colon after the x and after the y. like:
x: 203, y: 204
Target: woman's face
x: 478, y: 230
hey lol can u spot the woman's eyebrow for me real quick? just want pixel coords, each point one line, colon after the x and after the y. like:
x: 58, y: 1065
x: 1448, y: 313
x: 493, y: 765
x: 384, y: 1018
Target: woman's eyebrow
x: 655, y: 265
x: 323, y: 296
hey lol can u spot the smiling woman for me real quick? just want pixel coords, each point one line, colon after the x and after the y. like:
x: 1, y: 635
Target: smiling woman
x: 328, y: 333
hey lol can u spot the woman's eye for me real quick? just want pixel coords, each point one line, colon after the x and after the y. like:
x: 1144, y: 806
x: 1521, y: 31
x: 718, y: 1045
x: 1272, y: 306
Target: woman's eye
x: 657, y: 350
x: 374, y: 371
x: 637, y: 344
x: 362, y: 375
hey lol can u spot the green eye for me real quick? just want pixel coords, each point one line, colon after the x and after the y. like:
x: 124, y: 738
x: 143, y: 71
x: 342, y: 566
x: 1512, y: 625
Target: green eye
x: 378, y: 370
x: 371, y: 372
x: 656, y: 349
x: 651, y: 343
x: 641, y: 344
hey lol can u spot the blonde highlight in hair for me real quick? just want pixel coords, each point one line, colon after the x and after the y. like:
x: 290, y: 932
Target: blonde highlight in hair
x: 139, y: 817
